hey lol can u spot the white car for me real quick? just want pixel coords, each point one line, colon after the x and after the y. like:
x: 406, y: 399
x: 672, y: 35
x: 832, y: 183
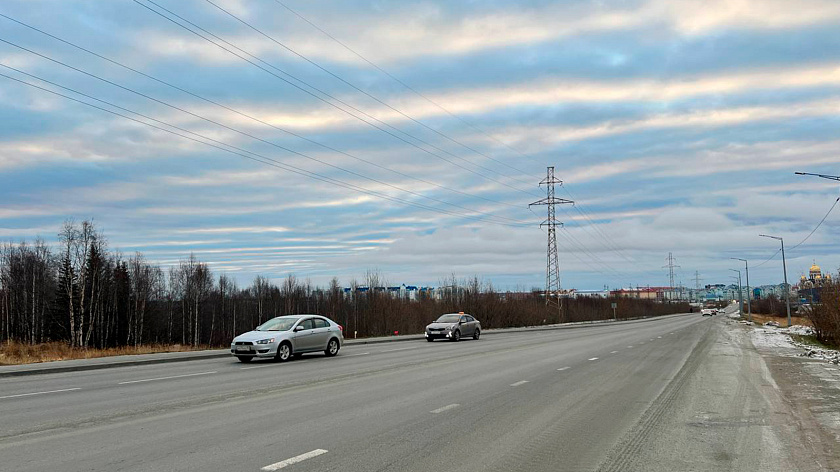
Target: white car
x: 707, y: 311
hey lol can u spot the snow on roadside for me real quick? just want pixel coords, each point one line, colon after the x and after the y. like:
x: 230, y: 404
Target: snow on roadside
x: 779, y: 338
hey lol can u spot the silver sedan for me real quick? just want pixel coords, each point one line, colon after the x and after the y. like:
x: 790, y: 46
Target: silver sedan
x: 453, y: 326
x: 286, y: 336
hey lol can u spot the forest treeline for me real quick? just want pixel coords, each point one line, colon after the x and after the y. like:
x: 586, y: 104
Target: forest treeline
x: 82, y: 293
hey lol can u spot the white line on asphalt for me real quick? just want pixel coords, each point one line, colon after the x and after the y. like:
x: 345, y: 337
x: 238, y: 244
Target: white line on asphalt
x: 613, y: 352
x: 360, y: 354
x: 256, y: 367
x: 40, y: 393
x: 563, y: 368
x: 444, y: 408
x: 166, y: 378
x: 629, y: 347
x: 294, y: 460
x: 593, y: 359
x: 521, y: 382
x: 659, y: 337
x: 400, y: 349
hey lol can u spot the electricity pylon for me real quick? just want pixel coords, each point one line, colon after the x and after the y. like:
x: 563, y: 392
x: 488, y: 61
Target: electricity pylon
x: 552, y: 266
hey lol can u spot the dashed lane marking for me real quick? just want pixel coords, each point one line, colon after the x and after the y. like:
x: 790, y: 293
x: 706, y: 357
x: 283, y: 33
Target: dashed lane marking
x: 563, y: 368
x: 521, y: 382
x: 445, y: 408
x: 166, y: 378
x: 613, y: 352
x: 593, y: 359
x: 41, y: 393
x: 294, y: 460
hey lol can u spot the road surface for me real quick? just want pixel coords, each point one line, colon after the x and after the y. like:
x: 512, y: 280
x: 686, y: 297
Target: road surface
x: 678, y: 393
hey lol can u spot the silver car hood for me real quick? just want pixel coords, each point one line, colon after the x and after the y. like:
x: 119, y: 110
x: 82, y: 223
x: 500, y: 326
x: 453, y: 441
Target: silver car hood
x: 259, y: 335
x: 442, y: 325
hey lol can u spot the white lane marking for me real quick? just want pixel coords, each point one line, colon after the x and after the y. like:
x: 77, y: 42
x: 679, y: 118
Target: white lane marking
x: 563, y: 368
x: 256, y: 367
x: 593, y: 359
x: 360, y: 354
x: 613, y: 352
x: 166, y: 378
x: 444, y: 408
x: 400, y: 349
x: 659, y: 337
x: 294, y: 460
x: 670, y: 333
x: 521, y: 382
x: 830, y: 380
x: 629, y: 347
x: 41, y: 393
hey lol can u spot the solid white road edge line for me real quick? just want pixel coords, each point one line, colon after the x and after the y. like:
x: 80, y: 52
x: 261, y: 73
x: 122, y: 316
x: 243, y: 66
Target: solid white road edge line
x: 294, y: 460
x: 521, y: 382
x: 563, y: 368
x: 41, y: 393
x: 444, y: 408
x: 166, y: 378
x: 593, y: 359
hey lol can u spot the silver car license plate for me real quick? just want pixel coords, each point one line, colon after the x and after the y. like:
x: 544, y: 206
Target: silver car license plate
x: 243, y: 349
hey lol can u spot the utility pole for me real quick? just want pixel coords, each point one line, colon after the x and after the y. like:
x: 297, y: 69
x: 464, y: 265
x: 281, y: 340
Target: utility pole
x: 740, y: 293
x: 671, y: 266
x: 829, y: 177
x: 747, y: 267
x: 697, y: 280
x: 784, y: 270
x: 552, y: 265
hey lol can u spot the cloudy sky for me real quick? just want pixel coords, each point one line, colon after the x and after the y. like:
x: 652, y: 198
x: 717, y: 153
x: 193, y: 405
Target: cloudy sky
x: 330, y: 138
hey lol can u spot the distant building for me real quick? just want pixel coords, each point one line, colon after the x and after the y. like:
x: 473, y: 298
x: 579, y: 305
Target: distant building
x: 810, y: 286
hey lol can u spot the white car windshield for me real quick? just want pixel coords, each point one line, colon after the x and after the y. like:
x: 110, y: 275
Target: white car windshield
x: 283, y: 323
x: 448, y: 319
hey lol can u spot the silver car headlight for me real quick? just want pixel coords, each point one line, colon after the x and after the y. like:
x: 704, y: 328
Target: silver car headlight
x: 265, y: 341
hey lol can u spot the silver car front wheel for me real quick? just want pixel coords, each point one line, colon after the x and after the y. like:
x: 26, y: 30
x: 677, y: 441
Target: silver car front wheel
x: 284, y: 352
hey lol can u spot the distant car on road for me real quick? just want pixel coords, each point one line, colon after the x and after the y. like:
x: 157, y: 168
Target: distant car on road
x: 721, y: 311
x: 286, y: 336
x: 453, y: 326
x: 707, y: 311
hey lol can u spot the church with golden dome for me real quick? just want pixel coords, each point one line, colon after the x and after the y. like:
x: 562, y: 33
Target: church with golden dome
x: 809, y: 285
x: 815, y: 278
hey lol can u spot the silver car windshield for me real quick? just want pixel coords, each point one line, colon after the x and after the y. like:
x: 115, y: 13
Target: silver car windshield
x: 448, y: 319
x: 283, y: 323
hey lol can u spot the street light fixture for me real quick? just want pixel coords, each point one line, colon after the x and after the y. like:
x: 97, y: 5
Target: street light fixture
x: 784, y: 270
x: 740, y: 293
x: 749, y: 308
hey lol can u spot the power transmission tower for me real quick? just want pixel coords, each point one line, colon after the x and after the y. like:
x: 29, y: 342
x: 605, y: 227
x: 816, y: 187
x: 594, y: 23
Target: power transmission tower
x: 552, y: 266
x: 697, y: 280
x: 671, y: 266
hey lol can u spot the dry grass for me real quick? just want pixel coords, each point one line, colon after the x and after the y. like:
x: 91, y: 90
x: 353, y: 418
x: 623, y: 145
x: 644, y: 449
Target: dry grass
x: 13, y: 352
x: 794, y: 320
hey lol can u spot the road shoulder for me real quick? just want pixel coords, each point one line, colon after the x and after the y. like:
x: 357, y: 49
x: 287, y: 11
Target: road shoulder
x: 722, y: 411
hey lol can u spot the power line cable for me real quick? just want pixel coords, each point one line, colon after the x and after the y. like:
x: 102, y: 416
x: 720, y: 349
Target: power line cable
x: 258, y: 120
x: 251, y: 155
x: 404, y: 84
x: 218, y: 124
x: 818, y: 225
x: 328, y: 102
x: 360, y: 90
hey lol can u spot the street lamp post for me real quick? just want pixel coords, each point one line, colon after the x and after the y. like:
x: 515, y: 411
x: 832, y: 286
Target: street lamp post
x: 747, y: 264
x: 740, y: 293
x: 784, y: 270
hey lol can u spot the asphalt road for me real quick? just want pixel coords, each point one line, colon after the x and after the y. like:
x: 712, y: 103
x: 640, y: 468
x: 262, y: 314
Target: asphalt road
x: 621, y: 396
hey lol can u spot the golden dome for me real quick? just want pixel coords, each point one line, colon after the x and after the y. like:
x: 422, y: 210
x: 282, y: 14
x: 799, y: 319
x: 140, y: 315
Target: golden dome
x: 815, y: 268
